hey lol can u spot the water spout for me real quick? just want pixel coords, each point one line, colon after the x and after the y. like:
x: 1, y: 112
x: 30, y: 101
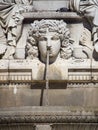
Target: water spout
x: 47, y: 76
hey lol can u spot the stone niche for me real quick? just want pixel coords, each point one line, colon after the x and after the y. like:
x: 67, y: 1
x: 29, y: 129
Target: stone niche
x: 48, y: 66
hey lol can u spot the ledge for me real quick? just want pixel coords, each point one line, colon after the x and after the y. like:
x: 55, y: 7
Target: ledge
x: 52, y: 15
x: 22, y: 71
x: 48, y: 115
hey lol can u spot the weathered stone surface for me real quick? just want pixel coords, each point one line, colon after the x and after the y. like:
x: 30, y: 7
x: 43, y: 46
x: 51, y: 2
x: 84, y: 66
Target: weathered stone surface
x: 49, y: 4
x: 49, y: 58
x: 60, y: 94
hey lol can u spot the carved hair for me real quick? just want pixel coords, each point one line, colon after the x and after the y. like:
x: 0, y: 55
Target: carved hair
x: 59, y: 26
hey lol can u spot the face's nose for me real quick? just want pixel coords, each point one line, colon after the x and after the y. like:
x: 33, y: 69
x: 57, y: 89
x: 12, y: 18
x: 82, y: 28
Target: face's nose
x: 48, y: 43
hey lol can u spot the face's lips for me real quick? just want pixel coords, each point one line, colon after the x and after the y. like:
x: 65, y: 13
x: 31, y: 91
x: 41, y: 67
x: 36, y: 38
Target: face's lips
x: 50, y: 52
x: 50, y: 55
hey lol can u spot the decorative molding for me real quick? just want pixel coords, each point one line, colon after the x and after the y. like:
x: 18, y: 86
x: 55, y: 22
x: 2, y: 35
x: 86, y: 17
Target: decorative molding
x: 47, y: 115
x: 56, y: 15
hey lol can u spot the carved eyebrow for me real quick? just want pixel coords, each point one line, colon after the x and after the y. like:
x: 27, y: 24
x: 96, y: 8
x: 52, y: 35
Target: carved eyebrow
x: 55, y: 37
x: 42, y: 38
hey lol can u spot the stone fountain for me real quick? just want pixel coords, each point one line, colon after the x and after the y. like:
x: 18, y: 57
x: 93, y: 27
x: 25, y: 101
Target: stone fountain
x: 48, y: 65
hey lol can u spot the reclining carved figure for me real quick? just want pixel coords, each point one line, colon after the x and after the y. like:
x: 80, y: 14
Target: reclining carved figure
x: 11, y: 23
x: 88, y: 9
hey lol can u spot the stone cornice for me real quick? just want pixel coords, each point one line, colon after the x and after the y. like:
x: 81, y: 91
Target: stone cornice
x: 52, y: 15
x: 47, y: 115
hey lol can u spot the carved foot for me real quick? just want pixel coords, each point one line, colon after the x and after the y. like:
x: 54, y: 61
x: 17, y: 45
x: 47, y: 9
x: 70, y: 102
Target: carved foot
x: 9, y: 58
x: 9, y: 53
x: 2, y: 49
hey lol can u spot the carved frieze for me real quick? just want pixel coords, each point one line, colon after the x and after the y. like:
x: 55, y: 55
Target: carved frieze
x: 47, y: 115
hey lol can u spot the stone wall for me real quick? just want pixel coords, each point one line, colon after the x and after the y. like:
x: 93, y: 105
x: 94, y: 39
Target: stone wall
x: 59, y: 94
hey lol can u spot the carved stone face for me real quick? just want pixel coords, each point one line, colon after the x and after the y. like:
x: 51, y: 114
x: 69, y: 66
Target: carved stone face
x: 51, y: 41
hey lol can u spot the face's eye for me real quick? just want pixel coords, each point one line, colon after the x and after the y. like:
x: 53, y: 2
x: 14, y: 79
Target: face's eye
x: 42, y: 39
x: 55, y: 38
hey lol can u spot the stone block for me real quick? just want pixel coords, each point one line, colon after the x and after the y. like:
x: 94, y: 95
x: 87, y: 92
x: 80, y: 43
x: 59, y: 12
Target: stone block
x: 49, y: 4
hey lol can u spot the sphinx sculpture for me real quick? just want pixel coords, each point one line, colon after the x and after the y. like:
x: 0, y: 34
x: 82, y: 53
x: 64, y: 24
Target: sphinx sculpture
x: 11, y: 24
